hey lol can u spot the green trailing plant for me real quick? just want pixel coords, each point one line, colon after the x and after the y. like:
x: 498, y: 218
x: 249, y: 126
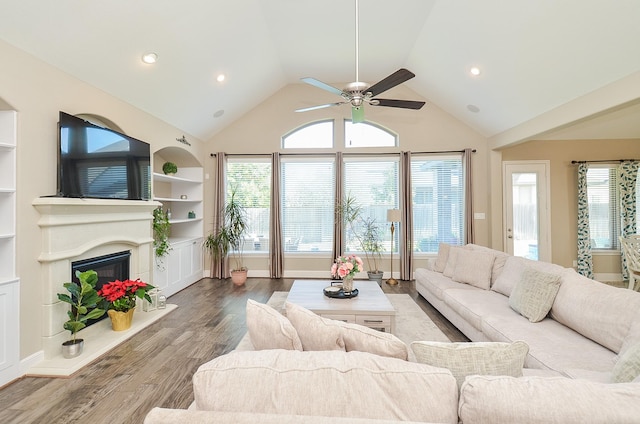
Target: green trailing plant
x: 229, y: 238
x: 82, y: 298
x: 161, y: 230
x: 169, y: 168
x: 365, y: 230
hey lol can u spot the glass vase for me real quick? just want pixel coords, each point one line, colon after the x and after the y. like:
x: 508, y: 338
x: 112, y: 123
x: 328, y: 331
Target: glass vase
x: 347, y: 284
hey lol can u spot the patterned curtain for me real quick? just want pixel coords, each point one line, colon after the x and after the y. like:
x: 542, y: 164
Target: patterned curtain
x: 627, y: 179
x: 585, y: 259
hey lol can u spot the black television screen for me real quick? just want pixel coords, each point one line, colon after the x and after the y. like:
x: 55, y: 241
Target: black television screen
x: 97, y: 162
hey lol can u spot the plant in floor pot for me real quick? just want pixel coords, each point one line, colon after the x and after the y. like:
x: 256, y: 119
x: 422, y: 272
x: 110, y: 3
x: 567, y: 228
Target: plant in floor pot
x: 229, y: 238
x: 84, y: 301
x: 122, y: 296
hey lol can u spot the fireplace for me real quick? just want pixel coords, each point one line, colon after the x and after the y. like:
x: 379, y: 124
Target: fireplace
x: 110, y: 267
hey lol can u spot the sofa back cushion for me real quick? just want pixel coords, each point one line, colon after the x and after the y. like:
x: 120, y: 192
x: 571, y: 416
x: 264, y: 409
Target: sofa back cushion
x: 474, y: 267
x: 330, y: 383
x: 533, y: 296
x: 600, y: 312
x: 547, y: 400
x: 498, y: 263
x: 269, y: 329
x: 514, y: 266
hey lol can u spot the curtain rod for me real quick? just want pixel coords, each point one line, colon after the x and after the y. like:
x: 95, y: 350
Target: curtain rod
x: 603, y: 161
x: 344, y: 153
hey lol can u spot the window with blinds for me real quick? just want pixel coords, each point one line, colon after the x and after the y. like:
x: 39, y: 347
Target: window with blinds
x: 251, y: 180
x: 437, y: 192
x: 307, y: 203
x: 604, y: 221
x: 373, y: 182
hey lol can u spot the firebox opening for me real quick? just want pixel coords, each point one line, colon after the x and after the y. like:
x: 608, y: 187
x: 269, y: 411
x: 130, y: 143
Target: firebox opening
x: 109, y: 268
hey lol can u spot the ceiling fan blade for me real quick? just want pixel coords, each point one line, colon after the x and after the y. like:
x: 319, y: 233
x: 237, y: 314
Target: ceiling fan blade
x: 306, y: 109
x: 405, y: 104
x: 357, y: 114
x: 323, y: 86
x: 397, y: 78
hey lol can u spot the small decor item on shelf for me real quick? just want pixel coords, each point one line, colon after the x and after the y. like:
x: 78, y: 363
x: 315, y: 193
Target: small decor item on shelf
x: 345, y: 268
x: 191, y: 215
x: 152, y: 305
x: 169, y: 168
x: 162, y: 301
x: 121, y: 296
x: 168, y: 213
x: 183, y: 196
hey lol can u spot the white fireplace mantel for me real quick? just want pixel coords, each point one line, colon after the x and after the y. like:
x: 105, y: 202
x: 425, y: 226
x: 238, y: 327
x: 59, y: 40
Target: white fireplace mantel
x: 76, y: 229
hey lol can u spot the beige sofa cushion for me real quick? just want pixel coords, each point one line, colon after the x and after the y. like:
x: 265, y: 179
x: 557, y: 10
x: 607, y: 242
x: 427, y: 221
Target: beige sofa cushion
x: 330, y: 383
x: 533, y: 296
x: 315, y: 332
x: 498, y: 263
x: 514, y: 266
x: 474, y: 267
x: 269, y: 329
x: 547, y: 400
x: 600, y: 312
x: 627, y: 368
x: 443, y: 256
x: 182, y: 416
x: 354, y: 336
x: 463, y: 359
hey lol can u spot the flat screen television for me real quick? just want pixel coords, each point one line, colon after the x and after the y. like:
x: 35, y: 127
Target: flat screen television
x: 97, y: 162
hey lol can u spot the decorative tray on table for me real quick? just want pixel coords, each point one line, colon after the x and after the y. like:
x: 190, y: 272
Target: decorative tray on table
x: 336, y: 291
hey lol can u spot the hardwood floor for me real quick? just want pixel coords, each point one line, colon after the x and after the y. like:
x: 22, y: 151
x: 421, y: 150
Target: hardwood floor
x: 154, y: 367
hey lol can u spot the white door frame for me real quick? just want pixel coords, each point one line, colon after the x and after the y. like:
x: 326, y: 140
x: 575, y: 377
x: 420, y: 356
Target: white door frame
x: 541, y: 168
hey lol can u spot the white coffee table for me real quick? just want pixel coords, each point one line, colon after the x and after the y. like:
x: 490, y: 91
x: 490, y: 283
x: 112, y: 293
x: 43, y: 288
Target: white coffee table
x: 370, y: 308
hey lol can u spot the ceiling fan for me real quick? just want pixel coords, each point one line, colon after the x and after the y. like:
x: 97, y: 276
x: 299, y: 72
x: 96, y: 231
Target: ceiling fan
x: 360, y: 93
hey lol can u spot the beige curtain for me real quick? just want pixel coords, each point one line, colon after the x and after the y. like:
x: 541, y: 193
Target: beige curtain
x: 405, y: 236
x: 276, y: 248
x: 219, y: 268
x: 469, y: 227
x: 338, y: 242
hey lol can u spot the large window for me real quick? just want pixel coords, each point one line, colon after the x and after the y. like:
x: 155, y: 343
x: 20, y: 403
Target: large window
x: 604, y: 207
x: 307, y: 196
x: 367, y: 135
x: 312, y: 136
x: 438, y: 201
x: 251, y: 181
x: 373, y: 183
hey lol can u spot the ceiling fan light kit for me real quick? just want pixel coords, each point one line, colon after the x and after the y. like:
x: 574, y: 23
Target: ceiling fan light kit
x: 358, y: 93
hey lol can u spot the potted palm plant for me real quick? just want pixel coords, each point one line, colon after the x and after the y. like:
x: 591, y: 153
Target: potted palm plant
x: 365, y: 231
x: 229, y: 238
x: 82, y: 297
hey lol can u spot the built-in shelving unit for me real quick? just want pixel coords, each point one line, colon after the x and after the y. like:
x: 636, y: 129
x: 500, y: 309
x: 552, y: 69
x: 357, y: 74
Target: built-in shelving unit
x: 9, y: 282
x: 182, y: 194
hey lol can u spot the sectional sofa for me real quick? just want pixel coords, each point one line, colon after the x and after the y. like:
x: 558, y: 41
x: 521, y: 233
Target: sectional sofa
x: 583, y: 336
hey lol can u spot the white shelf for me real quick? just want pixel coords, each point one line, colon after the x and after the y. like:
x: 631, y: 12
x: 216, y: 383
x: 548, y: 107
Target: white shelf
x: 182, y: 221
x: 172, y: 199
x: 174, y: 179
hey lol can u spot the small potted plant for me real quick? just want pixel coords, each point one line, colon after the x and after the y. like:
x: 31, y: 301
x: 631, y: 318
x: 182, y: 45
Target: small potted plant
x: 82, y: 298
x: 229, y: 239
x: 169, y: 168
x: 121, y: 296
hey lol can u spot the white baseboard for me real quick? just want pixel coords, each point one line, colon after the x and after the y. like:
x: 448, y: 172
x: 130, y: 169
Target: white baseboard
x: 611, y: 276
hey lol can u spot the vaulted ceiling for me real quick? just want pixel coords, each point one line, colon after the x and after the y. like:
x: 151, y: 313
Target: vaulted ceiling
x: 536, y: 57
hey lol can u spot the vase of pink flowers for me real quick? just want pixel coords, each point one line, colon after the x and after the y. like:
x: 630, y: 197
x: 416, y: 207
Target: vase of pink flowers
x: 345, y: 268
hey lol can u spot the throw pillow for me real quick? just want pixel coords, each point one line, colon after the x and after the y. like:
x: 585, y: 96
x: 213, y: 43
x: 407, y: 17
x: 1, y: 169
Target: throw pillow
x: 627, y: 368
x: 315, y: 332
x: 481, y: 358
x: 443, y: 255
x: 452, y: 259
x: 533, y: 296
x: 269, y: 329
x: 474, y: 267
x: 364, y: 339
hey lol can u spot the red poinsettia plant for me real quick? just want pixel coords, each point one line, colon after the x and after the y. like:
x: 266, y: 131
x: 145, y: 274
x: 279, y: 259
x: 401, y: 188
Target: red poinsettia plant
x: 122, y: 295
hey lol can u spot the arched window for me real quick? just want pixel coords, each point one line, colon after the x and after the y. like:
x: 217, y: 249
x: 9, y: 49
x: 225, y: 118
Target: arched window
x: 368, y: 135
x: 316, y: 135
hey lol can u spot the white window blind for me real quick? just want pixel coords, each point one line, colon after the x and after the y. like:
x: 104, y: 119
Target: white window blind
x: 373, y: 182
x: 604, y: 221
x: 307, y: 196
x: 251, y: 180
x: 438, y: 201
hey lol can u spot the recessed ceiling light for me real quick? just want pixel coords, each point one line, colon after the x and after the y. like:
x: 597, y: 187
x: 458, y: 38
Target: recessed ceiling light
x: 475, y: 71
x: 149, y: 58
x: 220, y: 78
